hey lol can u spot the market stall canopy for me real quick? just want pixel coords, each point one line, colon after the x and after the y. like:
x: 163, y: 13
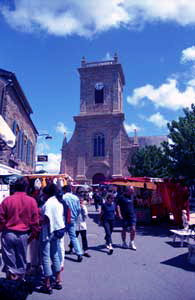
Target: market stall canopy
x: 6, y: 133
x: 64, y: 178
x: 47, y: 175
x: 134, y: 181
x: 82, y: 187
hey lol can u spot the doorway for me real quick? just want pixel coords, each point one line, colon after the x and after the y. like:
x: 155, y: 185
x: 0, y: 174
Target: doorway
x: 98, y: 178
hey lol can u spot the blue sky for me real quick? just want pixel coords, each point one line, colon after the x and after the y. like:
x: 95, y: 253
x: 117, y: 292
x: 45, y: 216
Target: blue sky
x: 43, y: 42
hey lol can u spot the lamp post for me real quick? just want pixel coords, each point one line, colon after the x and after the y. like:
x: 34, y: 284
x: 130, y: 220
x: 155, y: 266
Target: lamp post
x: 47, y: 136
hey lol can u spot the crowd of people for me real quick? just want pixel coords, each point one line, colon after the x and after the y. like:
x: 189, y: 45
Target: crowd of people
x: 36, y: 220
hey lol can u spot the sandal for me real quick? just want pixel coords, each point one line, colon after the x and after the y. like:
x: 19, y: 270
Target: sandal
x: 57, y: 286
x: 46, y: 290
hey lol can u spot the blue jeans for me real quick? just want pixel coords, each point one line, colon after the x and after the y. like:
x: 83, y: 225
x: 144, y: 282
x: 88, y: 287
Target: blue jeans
x: 83, y: 234
x: 70, y: 228
x: 108, y: 227
x: 14, y: 249
x: 50, y: 250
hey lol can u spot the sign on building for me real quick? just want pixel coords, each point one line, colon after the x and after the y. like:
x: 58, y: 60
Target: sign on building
x: 42, y: 157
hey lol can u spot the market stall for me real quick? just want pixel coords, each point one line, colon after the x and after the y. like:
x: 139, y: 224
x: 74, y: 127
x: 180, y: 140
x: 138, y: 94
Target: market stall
x: 157, y: 198
x: 36, y: 181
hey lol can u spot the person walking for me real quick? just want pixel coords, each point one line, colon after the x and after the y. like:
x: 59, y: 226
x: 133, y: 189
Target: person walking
x: 81, y: 227
x: 107, y: 217
x: 19, y: 223
x: 97, y: 199
x: 126, y: 212
x: 52, y: 229
x: 73, y: 204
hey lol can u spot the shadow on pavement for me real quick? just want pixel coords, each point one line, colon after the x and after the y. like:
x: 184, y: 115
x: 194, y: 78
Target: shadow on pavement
x: 71, y: 258
x: 153, y: 230
x: 99, y: 248
x: 15, y: 289
x: 103, y: 249
x: 161, y: 230
x: 177, y: 244
x: 181, y: 262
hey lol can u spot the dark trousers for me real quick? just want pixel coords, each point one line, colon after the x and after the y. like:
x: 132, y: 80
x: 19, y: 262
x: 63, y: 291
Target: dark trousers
x: 14, y: 250
x: 108, y: 227
x: 83, y: 234
x: 97, y: 204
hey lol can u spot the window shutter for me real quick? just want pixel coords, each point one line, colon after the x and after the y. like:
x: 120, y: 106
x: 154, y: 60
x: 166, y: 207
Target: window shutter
x: 28, y: 152
x: 19, y: 144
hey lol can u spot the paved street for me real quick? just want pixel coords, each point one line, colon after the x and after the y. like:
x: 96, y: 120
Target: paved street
x: 157, y: 270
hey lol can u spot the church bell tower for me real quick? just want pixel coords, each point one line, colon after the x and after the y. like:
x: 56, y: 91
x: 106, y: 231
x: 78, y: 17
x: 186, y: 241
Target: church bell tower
x: 100, y: 145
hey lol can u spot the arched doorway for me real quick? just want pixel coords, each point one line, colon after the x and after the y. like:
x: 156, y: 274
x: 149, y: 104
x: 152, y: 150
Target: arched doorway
x: 98, y: 178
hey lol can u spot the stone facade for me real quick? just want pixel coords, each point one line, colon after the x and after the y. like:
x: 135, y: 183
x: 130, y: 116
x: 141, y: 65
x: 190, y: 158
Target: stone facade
x: 100, y: 147
x: 16, y: 111
x: 100, y: 121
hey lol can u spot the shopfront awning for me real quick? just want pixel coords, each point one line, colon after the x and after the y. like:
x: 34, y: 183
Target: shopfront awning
x: 6, y: 133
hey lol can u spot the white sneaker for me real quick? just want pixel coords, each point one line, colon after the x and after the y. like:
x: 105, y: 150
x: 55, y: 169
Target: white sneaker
x: 132, y: 245
x: 111, y: 249
x: 124, y: 245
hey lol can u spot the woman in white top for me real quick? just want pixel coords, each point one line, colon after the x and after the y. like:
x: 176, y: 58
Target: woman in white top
x: 52, y: 229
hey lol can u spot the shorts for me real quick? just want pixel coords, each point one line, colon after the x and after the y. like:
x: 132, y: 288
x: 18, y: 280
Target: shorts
x: 128, y: 223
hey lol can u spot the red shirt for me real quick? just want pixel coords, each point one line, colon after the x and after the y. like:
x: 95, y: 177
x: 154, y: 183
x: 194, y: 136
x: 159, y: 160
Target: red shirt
x: 19, y: 212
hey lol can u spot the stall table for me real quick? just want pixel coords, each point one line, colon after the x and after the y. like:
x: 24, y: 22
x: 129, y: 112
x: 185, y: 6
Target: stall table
x: 183, y: 234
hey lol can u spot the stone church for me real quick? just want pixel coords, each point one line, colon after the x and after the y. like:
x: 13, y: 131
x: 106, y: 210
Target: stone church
x: 100, y: 147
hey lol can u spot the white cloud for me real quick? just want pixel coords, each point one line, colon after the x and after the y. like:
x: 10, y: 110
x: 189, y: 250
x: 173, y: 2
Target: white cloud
x: 108, y: 56
x: 158, y: 120
x: 191, y: 83
x: 166, y: 95
x: 188, y: 54
x: 88, y: 17
x: 131, y: 127
x: 61, y: 128
x: 53, y: 164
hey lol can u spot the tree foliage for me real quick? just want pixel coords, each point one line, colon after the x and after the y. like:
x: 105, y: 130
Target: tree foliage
x: 181, y: 148
x: 176, y: 158
x: 149, y: 161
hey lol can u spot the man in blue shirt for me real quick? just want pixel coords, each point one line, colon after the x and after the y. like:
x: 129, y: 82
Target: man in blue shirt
x: 73, y: 203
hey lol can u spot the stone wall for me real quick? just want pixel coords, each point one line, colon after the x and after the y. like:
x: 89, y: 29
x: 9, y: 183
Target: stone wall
x: 14, y: 110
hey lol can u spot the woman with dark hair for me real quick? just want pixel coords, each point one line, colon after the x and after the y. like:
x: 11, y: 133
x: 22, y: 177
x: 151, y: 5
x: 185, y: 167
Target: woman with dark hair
x: 52, y: 230
x: 107, y: 216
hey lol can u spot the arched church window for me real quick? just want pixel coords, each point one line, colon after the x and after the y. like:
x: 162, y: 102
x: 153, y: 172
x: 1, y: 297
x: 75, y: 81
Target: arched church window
x: 99, y: 92
x: 99, y: 145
